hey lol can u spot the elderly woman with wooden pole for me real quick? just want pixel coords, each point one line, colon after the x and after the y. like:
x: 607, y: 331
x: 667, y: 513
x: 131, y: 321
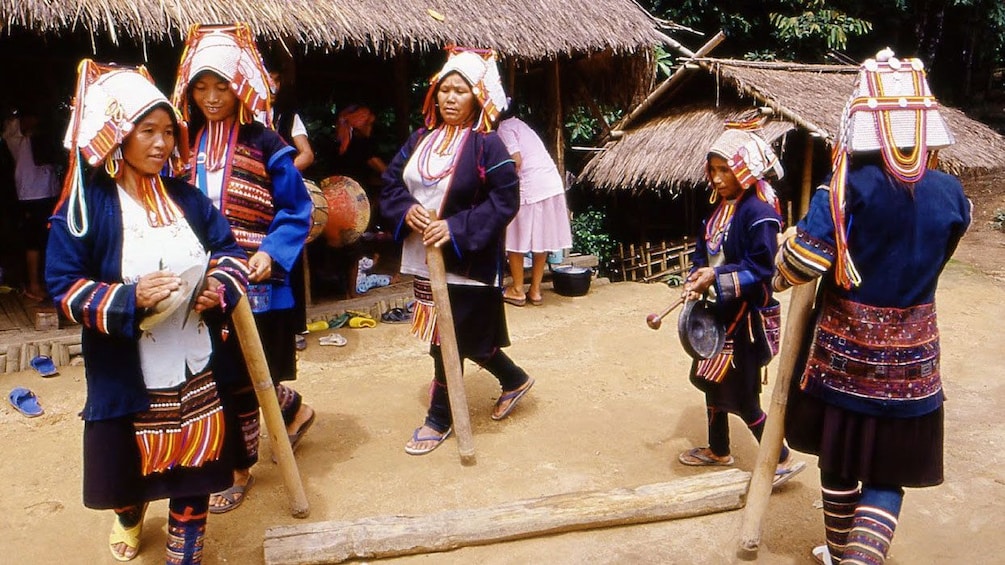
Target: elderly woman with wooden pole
x: 868, y: 400
x: 457, y: 166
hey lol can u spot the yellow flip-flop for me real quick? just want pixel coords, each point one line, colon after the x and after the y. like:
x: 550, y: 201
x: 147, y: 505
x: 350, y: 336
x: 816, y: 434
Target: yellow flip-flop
x: 128, y: 536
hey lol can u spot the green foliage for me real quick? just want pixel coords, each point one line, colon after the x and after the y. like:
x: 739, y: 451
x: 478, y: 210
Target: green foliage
x: 583, y: 128
x: 829, y: 26
x: 998, y: 220
x: 664, y: 62
x: 589, y: 236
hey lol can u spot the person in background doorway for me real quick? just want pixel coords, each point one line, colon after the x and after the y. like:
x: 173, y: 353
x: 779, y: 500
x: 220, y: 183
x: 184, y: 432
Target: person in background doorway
x: 36, y: 180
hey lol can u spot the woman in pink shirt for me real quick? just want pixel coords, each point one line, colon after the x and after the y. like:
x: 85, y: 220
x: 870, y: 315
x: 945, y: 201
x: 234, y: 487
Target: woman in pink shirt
x: 542, y: 224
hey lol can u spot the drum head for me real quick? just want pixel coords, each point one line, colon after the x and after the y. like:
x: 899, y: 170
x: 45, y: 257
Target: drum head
x: 701, y: 335
x: 319, y: 210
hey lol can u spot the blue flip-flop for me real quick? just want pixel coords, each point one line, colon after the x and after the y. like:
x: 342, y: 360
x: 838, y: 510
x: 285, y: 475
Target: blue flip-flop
x: 44, y: 365
x: 25, y: 402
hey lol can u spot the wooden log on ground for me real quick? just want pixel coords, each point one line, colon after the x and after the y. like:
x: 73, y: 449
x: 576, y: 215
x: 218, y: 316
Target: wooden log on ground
x: 391, y: 536
x: 13, y: 359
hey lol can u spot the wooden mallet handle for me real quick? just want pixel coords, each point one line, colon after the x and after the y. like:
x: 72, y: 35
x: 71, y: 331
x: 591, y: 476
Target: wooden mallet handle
x: 654, y: 321
x: 451, y: 354
x: 261, y: 379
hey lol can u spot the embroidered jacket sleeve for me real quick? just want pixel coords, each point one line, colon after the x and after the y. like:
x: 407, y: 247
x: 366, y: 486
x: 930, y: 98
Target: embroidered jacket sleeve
x: 292, y: 202
x: 478, y: 227
x: 395, y: 199
x: 750, y: 270
x: 810, y: 253
x: 75, y: 280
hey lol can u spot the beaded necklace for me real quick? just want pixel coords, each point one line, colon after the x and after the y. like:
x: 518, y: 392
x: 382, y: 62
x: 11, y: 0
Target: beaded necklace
x: 717, y: 227
x: 447, y: 141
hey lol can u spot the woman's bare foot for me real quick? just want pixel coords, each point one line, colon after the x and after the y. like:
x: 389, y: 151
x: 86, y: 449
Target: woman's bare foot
x: 230, y: 497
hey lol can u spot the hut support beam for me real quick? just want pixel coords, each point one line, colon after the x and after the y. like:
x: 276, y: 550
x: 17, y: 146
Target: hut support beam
x: 556, y: 111
x: 392, y: 536
x: 669, y: 83
x: 807, y: 188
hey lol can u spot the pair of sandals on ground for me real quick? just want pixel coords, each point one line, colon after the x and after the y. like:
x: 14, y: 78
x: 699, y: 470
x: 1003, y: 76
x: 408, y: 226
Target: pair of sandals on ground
x: 425, y: 439
x: 705, y: 457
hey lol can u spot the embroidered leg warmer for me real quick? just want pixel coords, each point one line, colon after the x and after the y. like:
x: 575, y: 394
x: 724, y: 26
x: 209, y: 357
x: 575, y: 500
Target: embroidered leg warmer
x: 186, y: 530
x: 873, y: 526
x: 840, y: 499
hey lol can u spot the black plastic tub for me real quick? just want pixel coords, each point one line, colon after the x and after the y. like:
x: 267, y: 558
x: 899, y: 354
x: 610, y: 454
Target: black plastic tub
x: 571, y: 280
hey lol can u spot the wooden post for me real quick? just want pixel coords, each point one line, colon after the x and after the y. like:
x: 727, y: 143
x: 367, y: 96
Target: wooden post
x: 394, y: 536
x: 559, y: 119
x: 308, y: 299
x: 800, y: 311
x: 807, y: 189
x: 261, y: 379
x: 451, y: 354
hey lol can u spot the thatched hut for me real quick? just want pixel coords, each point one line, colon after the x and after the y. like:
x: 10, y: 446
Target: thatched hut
x: 657, y: 153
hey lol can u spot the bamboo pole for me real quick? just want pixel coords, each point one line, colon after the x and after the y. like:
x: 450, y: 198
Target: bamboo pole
x: 800, y: 311
x: 807, y: 189
x: 451, y: 354
x: 265, y: 390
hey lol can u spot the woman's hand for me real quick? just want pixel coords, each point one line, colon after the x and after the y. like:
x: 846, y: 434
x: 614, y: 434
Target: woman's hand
x: 436, y: 234
x: 698, y: 282
x: 154, y: 287
x: 210, y: 297
x: 417, y: 218
x: 260, y: 265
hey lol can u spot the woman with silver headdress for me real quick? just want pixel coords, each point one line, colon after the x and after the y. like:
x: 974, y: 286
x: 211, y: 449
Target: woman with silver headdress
x: 877, y: 234
x: 457, y: 166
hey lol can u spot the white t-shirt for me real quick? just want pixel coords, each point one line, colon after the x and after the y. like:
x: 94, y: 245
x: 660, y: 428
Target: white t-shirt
x: 33, y: 182
x: 166, y: 348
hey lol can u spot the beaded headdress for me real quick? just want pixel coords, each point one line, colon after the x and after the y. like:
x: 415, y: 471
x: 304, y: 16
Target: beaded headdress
x: 891, y: 111
x: 230, y: 52
x: 478, y: 67
x: 750, y: 158
x: 107, y: 102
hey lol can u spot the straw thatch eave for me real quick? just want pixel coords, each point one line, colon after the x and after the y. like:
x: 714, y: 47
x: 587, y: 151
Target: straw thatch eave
x: 648, y: 156
x: 520, y: 28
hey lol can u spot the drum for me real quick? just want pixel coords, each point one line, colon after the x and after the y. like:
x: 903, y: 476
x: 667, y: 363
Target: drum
x: 348, y: 210
x: 319, y: 214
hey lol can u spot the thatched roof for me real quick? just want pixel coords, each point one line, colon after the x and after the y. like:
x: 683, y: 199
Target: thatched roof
x: 664, y: 150
x: 526, y: 28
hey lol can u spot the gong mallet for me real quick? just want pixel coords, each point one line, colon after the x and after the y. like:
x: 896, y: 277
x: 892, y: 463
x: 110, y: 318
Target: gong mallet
x: 654, y: 321
x: 261, y: 379
x: 451, y: 354
x: 759, y: 491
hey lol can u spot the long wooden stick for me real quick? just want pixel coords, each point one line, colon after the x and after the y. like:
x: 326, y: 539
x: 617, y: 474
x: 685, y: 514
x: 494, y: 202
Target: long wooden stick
x: 800, y: 311
x: 261, y: 379
x: 450, y: 353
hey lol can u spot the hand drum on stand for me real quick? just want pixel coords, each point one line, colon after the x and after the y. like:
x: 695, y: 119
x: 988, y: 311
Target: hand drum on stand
x: 348, y: 210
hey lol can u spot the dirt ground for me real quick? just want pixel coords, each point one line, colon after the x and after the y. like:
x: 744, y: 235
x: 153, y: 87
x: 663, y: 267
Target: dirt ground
x: 611, y: 408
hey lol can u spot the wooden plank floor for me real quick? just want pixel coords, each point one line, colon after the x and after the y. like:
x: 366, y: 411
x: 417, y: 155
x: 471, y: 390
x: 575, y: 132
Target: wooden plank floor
x: 16, y: 313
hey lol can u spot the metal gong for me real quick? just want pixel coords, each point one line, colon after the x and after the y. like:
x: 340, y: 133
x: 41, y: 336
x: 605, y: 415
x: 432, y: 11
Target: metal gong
x: 701, y: 335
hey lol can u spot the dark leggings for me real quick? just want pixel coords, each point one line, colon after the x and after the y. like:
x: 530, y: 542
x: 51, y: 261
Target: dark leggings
x: 186, y: 527
x: 718, y: 429
x: 509, y: 375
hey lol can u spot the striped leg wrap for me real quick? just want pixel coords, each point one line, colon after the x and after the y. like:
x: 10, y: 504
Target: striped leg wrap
x: 186, y: 530
x: 839, y: 511
x: 870, y: 536
x: 289, y: 402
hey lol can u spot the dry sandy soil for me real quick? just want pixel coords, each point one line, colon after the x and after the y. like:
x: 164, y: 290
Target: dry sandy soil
x: 611, y: 408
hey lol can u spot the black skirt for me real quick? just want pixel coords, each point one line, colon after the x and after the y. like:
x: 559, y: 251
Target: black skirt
x: 876, y: 450
x: 479, y: 319
x: 112, y: 476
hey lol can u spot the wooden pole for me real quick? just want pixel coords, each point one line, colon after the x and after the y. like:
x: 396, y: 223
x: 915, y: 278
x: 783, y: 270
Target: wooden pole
x: 796, y: 325
x: 559, y: 123
x: 308, y: 299
x: 392, y: 536
x: 261, y: 379
x: 450, y: 353
x: 807, y: 191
